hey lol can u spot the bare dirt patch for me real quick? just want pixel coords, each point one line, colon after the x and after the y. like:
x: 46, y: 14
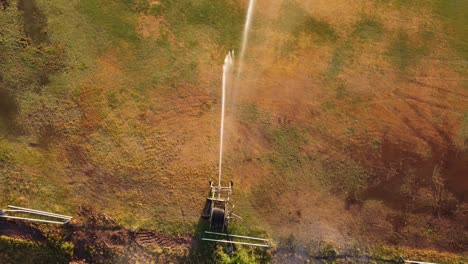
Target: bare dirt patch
x: 4, y: 4
x: 154, y: 2
x: 149, y: 26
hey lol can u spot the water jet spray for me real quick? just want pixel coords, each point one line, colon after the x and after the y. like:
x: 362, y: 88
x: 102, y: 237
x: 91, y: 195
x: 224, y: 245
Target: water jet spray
x: 218, y: 208
x: 227, y: 69
x: 245, y: 36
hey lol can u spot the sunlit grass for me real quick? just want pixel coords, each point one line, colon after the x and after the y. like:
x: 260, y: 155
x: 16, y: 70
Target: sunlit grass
x: 13, y: 250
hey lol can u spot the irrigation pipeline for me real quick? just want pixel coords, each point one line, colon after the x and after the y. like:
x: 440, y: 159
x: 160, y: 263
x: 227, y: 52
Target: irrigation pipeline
x: 368, y: 258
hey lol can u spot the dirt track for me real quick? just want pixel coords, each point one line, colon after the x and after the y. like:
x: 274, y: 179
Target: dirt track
x: 93, y: 233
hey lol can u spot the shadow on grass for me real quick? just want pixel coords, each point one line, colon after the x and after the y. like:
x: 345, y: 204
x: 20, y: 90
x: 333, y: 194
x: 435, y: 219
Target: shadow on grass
x: 202, y: 251
x: 35, y: 21
x: 8, y: 109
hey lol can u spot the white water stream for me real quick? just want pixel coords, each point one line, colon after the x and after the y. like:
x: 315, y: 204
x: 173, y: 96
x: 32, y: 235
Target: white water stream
x: 245, y: 36
x: 227, y: 70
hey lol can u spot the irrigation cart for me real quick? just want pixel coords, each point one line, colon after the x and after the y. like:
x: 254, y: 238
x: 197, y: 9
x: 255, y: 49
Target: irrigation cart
x: 218, y: 210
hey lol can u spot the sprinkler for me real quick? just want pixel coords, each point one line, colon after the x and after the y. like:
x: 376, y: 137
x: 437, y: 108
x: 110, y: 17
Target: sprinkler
x: 218, y: 210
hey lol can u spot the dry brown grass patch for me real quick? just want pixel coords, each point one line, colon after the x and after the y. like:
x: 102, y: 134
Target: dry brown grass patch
x: 149, y: 26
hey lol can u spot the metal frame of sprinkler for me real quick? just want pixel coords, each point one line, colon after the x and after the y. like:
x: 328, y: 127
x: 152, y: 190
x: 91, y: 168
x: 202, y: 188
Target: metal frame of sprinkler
x: 218, y: 210
x: 35, y: 215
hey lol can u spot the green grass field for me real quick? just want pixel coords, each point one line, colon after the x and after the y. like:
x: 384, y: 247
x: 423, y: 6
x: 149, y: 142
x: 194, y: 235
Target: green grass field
x: 114, y: 104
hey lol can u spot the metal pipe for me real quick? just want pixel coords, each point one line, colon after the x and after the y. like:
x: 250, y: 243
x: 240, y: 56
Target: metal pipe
x: 41, y: 212
x: 37, y: 213
x: 417, y: 262
x: 34, y: 220
x: 246, y: 237
x: 235, y: 242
